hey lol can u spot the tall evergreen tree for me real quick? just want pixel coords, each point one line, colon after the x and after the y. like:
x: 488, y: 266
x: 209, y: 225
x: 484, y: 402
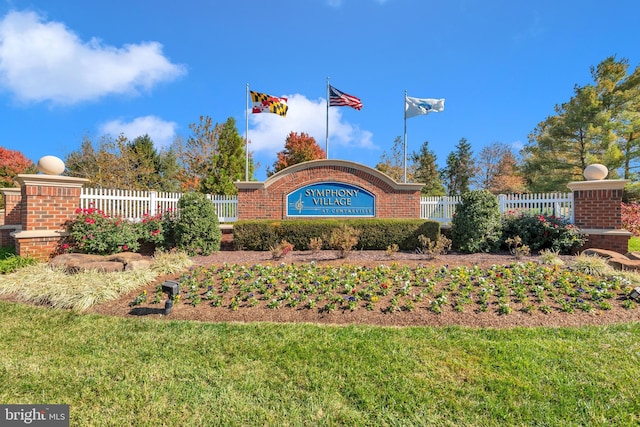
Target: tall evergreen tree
x: 426, y: 171
x: 144, y: 162
x: 619, y: 94
x: 599, y: 124
x: 564, y: 144
x: 228, y: 162
x: 459, y: 170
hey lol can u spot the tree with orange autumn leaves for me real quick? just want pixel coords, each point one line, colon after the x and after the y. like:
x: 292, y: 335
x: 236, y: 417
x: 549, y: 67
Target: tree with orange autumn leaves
x: 298, y: 148
x: 12, y: 163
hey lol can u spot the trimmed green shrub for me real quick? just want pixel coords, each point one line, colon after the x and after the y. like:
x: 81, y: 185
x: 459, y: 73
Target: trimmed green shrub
x: 255, y: 235
x: 476, y: 225
x: 374, y: 234
x: 197, y: 230
x: 300, y: 232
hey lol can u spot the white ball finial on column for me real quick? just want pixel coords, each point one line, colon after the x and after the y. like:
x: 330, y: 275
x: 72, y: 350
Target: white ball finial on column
x: 596, y: 172
x: 50, y: 165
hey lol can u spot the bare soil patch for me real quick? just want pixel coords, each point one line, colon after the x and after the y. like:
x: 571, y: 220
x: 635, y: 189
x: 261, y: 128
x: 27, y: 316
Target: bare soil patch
x: 420, y: 316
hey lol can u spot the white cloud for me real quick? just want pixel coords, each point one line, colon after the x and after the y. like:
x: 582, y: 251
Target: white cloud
x: 268, y: 132
x: 45, y: 61
x: 161, y: 132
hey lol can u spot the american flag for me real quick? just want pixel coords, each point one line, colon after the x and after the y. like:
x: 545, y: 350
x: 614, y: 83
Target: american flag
x: 341, y: 99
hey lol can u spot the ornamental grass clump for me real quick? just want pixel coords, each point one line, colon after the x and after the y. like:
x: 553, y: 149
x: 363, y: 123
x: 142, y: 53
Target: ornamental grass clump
x: 281, y: 250
x: 592, y: 265
x: 343, y: 239
x: 433, y: 249
x: 516, y: 247
x: 44, y: 284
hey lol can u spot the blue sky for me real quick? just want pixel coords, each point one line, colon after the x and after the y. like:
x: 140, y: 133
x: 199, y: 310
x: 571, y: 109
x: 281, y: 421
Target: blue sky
x: 73, y: 68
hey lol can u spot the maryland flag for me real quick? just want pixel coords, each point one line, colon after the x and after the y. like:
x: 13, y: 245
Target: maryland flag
x: 263, y: 103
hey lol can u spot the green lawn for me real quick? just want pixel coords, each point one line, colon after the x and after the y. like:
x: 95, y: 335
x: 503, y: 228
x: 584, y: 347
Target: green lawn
x: 114, y: 371
x: 634, y: 244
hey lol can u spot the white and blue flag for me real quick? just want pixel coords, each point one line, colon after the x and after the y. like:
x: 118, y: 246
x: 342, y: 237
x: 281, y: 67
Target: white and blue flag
x: 419, y: 106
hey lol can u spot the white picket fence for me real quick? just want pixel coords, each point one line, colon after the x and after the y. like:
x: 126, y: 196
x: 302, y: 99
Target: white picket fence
x: 442, y: 209
x: 134, y: 205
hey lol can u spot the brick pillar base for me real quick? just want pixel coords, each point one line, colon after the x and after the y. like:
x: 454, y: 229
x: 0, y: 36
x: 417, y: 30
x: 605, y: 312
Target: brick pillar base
x: 611, y: 240
x: 11, y: 216
x: 48, y: 202
x: 597, y: 212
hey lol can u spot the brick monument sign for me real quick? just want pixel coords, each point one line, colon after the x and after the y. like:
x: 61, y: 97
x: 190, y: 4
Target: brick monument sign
x: 328, y: 189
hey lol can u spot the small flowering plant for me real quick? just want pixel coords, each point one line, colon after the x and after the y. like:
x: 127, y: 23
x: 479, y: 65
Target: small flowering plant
x: 154, y: 228
x: 525, y: 287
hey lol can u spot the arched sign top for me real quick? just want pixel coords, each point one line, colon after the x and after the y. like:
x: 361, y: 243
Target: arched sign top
x: 330, y: 199
x: 373, y: 174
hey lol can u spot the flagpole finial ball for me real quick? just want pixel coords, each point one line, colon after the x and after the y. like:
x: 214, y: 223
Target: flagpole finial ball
x: 50, y: 165
x: 596, y: 172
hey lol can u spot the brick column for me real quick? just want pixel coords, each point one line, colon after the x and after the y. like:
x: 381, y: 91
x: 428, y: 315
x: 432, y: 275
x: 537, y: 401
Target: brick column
x: 12, y: 218
x: 597, y: 211
x: 48, y: 202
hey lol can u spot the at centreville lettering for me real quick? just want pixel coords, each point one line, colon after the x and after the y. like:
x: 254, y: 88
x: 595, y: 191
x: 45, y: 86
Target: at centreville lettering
x: 331, y: 197
x: 352, y: 211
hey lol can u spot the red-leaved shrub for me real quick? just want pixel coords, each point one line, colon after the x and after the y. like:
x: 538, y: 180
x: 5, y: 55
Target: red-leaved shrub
x: 631, y: 217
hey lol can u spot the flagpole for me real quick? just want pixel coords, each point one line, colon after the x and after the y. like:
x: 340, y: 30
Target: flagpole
x: 405, y: 136
x: 326, y: 141
x: 246, y: 137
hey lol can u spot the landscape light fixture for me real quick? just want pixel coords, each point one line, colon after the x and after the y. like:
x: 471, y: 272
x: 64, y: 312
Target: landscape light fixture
x: 172, y: 289
x: 635, y: 294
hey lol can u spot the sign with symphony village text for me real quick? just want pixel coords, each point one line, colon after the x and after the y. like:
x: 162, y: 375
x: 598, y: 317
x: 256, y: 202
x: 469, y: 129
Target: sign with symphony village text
x: 331, y: 199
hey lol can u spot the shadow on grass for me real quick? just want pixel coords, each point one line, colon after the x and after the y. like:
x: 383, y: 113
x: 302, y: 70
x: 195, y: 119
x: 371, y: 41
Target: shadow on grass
x: 146, y: 311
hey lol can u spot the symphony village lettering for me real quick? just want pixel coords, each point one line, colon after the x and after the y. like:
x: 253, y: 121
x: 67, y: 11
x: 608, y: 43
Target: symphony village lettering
x: 331, y: 199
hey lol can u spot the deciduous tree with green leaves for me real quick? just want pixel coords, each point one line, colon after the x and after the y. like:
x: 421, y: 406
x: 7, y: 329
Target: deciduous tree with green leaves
x: 124, y: 164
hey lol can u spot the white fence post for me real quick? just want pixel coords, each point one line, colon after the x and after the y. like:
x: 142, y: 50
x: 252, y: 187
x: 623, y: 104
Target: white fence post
x: 153, y: 203
x: 502, y: 202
